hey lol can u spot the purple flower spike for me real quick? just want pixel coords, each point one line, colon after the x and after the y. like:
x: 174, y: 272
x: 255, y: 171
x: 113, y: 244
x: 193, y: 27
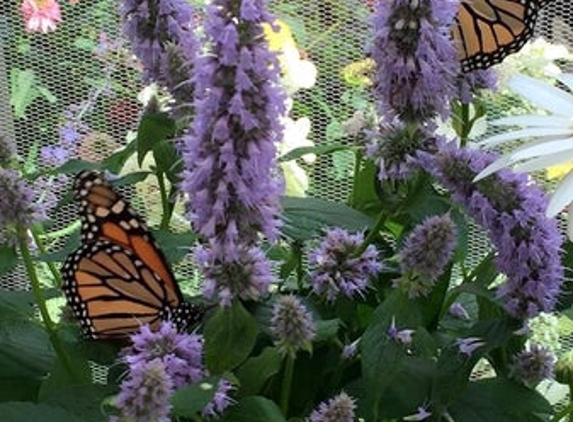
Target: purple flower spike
x: 181, y: 353
x: 337, y: 270
x: 533, y: 365
x: 338, y: 409
x: 220, y: 400
x: 230, y: 172
x: 162, y: 38
x: 248, y: 278
x: 512, y: 210
x: 467, y: 346
x: 145, y: 393
x: 292, y: 325
x: 415, y: 57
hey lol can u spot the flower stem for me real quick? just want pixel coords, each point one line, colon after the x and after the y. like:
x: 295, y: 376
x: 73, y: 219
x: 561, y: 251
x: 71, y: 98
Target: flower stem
x: 564, y: 412
x: 36, y: 234
x: 41, y: 301
x: 287, y: 383
x: 166, y: 217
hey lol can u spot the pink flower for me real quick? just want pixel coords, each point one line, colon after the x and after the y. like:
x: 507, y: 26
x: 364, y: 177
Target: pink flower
x: 41, y: 15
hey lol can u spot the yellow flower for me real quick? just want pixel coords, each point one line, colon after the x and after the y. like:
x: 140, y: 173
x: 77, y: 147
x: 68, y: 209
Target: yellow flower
x: 359, y: 73
x: 280, y: 40
x: 558, y: 172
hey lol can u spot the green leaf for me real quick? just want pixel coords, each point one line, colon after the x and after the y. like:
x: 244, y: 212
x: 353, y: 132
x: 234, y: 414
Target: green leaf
x: 364, y: 194
x: 19, y: 388
x: 86, y: 44
x: 297, y: 153
x: 254, y: 409
x: 25, y: 350
x: 47, y: 94
x: 8, y: 259
x: 84, y: 400
x: 326, y: 329
x: 16, y: 305
x: 153, y: 129
x: 167, y: 159
x: 74, y: 166
x: 190, y: 400
x: 175, y: 245
x: 25, y: 411
x: 23, y: 91
x: 500, y: 400
x: 306, y: 217
x: 255, y: 372
x: 230, y: 336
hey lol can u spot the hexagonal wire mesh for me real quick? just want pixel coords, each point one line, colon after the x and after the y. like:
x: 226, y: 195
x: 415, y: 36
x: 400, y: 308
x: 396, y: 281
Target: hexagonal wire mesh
x: 82, y: 71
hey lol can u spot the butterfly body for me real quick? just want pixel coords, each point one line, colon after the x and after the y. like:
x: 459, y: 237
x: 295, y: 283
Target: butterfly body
x: 487, y: 31
x: 119, y: 279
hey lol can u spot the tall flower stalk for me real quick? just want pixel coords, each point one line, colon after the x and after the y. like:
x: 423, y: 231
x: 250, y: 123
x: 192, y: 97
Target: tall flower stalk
x: 231, y: 172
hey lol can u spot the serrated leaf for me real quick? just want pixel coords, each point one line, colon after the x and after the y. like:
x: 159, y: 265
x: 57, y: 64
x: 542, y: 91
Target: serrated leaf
x: 306, y: 217
x: 190, y: 400
x: 25, y: 411
x: 23, y: 90
x: 230, y: 336
x: 256, y: 371
x: 153, y: 129
x: 254, y: 409
x: 500, y: 400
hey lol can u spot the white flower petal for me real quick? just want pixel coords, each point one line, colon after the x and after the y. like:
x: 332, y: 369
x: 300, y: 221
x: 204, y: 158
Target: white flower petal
x: 539, y: 149
x: 545, y: 162
x: 524, y: 133
x: 529, y: 120
x: 498, y: 164
x: 543, y: 95
x: 562, y: 197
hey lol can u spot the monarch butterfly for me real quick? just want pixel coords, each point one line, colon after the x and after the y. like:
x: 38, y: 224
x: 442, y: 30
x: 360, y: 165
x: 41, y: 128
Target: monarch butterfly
x: 119, y: 279
x: 487, y: 31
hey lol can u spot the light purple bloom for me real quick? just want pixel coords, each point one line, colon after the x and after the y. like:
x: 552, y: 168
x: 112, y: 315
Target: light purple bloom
x: 220, y: 400
x: 415, y: 57
x: 230, y: 154
x: 421, y: 415
x: 181, y: 353
x: 19, y: 202
x: 533, y: 365
x: 425, y: 254
x: 400, y: 336
x: 349, y: 351
x: 512, y: 209
x: 336, y: 269
x: 467, y: 346
x: 248, y: 277
x: 458, y: 311
x: 145, y: 393
x: 338, y: 409
x: 54, y: 155
x: 292, y: 325
x: 162, y: 37
x: 470, y: 82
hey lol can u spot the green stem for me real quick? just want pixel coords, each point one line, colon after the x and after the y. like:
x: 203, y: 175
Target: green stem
x: 466, y: 124
x: 373, y: 234
x: 36, y: 234
x: 41, y: 301
x: 166, y: 217
x: 287, y: 383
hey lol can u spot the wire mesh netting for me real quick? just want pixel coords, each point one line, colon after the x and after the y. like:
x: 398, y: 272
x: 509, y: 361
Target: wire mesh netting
x: 83, y: 74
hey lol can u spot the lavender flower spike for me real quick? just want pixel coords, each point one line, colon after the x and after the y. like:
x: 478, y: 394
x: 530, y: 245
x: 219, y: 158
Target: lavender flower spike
x: 533, y: 365
x: 512, y: 210
x: 145, y: 393
x: 338, y: 409
x: 180, y: 353
x: 162, y: 38
x: 415, y: 57
x: 425, y: 254
x: 19, y: 203
x: 292, y: 325
x: 231, y: 172
x: 337, y: 270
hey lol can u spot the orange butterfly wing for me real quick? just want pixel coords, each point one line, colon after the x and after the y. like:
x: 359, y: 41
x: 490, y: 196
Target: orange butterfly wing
x: 119, y: 278
x: 487, y: 31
